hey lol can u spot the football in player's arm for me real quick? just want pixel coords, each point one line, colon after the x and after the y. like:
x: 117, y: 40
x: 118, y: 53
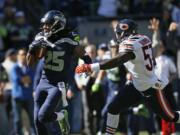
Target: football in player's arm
x: 57, y: 45
x: 38, y: 49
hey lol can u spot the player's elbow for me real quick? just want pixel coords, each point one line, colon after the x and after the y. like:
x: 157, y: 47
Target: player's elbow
x: 124, y: 57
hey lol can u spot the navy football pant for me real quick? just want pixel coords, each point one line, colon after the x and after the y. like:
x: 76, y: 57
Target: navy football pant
x: 47, y: 97
x: 153, y: 98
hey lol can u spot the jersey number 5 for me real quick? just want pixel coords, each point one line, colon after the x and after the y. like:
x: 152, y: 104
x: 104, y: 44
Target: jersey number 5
x: 148, y: 56
x: 53, y: 61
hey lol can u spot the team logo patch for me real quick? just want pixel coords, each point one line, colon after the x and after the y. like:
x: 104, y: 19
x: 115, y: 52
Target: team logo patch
x: 158, y: 85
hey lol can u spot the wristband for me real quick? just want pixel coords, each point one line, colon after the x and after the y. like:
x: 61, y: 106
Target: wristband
x: 95, y: 67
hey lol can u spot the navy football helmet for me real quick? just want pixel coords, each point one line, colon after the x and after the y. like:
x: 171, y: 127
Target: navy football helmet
x: 125, y: 28
x: 55, y: 20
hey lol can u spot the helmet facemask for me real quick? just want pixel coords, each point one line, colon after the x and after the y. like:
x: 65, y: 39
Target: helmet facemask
x: 56, y: 22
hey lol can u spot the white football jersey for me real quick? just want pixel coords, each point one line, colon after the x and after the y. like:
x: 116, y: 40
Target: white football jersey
x: 164, y: 67
x: 142, y: 67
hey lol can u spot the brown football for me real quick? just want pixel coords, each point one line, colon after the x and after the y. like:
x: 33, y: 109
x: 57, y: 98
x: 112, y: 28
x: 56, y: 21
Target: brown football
x: 41, y: 52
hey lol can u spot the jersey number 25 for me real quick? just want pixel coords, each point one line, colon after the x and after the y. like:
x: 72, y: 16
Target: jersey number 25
x: 53, y: 60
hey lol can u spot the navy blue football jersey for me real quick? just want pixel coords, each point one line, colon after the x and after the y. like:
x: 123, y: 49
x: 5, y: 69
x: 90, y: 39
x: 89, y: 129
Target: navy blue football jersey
x: 58, y: 58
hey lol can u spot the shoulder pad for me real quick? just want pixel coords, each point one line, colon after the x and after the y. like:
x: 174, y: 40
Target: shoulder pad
x: 39, y: 36
x: 67, y: 40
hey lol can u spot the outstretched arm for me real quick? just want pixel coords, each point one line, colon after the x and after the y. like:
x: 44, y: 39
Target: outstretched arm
x: 80, y: 53
x: 119, y: 59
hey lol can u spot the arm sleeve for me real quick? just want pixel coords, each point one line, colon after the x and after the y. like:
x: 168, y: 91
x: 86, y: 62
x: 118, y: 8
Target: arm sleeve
x: 15, y: 75
x: 155, y: 39
x: 126, y: 47
x: 172, y: 67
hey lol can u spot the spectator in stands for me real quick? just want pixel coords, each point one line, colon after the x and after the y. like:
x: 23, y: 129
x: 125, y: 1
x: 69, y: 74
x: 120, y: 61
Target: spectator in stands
x: 3, y: 35
x: 176, y: 14
x: 173, y: 41
x: 9, y: 12
x: 4, y: 130
x: 22, y: 32
x: 22, y: 92
x: 8, y: 64
x: 108, y: 8
x: 147, y: 6
x: 164, y: 24
x: 102, y: 49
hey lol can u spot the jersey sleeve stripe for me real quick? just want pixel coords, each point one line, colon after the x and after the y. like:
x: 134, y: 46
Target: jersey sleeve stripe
x: 67, y: 40
x: 127, y: 46
x: 126, y: 50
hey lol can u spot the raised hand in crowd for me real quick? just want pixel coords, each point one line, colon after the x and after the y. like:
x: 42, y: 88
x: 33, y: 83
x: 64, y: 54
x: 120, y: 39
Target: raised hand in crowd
x: 173, y: 26
x: 154, y: 24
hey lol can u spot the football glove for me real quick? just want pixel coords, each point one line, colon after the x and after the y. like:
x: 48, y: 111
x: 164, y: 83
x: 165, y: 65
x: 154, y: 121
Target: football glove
x: 36, y: 44
x: 87, y: 68
x: 84, y: 68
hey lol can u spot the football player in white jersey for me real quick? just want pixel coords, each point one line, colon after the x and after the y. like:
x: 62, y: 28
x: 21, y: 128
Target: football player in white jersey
x: 135, y: 52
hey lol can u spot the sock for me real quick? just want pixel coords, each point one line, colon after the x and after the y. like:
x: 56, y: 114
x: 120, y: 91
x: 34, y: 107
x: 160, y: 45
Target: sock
x: 111, y: 124
x: 166, y: 127
x: 178, y: 121
x: 60, y: 116
x: 62, y: 88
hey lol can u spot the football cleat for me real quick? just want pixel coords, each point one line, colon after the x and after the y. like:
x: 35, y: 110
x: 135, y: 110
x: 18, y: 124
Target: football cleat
x: 64, y: 123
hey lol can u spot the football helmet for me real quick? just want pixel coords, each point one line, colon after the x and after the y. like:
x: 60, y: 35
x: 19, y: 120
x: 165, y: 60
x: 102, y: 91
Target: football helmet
x: 54, y: 21
x: 125, y: 28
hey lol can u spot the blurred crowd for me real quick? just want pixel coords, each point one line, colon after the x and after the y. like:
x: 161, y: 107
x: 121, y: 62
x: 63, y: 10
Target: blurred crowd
x: 88, y: 98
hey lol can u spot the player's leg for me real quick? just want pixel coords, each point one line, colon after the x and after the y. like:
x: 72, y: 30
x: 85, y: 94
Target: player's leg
x: 47, y: 111
x: 29, y: 108
x: 39, y: 99
x: 169, y: 127
x: 17, y: 108
x: 127, y: 97
x: 158, y: 102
